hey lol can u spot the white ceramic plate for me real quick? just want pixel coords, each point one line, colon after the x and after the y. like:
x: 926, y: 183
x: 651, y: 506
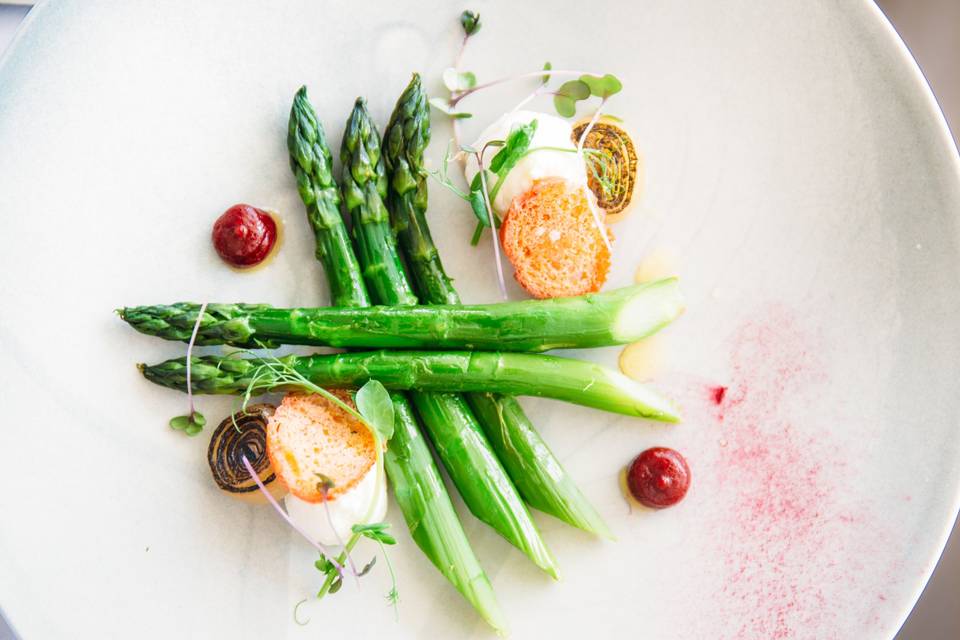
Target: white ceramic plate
x: 797, y: 166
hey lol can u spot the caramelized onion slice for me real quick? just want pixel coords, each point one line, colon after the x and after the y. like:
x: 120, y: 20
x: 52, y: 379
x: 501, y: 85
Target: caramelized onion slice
x: 243, y: 434
x: 613, y: 167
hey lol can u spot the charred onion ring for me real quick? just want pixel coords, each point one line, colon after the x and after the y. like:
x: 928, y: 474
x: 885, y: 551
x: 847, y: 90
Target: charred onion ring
x: 618, y: 163
x: 243, y: 434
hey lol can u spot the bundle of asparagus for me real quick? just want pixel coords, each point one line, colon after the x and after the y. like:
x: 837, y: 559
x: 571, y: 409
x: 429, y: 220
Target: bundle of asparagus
x: 495, y: 457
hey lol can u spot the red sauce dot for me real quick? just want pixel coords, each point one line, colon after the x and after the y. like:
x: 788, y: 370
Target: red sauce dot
x: 243, y: 236
x: 658, y: 478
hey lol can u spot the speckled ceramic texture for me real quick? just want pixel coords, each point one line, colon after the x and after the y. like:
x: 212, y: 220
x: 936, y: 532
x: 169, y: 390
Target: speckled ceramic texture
x: 796, y: 163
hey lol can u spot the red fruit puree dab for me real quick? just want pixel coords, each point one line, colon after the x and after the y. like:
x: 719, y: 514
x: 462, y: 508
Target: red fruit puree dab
x: 243, y: 236
x: 658, y: 478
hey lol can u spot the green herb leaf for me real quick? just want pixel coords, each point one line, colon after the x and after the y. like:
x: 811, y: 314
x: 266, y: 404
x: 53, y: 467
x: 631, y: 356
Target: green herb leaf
x: 441, y: 104
x: 386, y: 538
x: 468, y: 149
x: 516, y: 145
x: 190, y: 424
x: 372, y: 526
x: 478, y: 203
x: 567, y: 96
x: 336, y: 585
x: 374, y: 404
x: 602, y: 87
x: 324, y: 483
x: 470, y: 21
x: 479, y: 206
x: 367, y: 567
x: 375, y: 531
x: 455, y: 81
x: 322, y: 564
x: 546, y: 77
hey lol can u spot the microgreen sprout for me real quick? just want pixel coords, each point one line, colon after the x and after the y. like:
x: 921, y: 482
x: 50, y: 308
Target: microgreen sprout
x: 470, y: 21
x: 323, y: 549
x: 583, y: 86
x: 377, y: 532
x: 192, y: 423
x: 375, y: 411
x: 324, y: 486
x: 492, y: 223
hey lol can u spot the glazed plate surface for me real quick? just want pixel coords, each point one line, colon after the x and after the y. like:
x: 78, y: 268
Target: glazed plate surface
x: 797, y: 170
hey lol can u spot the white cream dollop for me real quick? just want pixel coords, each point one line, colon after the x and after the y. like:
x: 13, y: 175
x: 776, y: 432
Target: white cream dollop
x: 366, y: 502
x: 551, y: 132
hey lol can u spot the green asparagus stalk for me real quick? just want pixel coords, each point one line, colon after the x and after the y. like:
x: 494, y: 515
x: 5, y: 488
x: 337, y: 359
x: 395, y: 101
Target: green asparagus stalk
x: 524, y: 374
x: 459, y: 440
x: 430, y: 516
x: 538, y: 474
x: 594, y: 320
x: 417, y: 486
x: 312, y: 166
x: 364, y: 185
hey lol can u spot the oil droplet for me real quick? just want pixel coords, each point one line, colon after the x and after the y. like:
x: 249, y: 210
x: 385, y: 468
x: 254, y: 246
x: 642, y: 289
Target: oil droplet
x: 642, y: 360
x: 659, y: 263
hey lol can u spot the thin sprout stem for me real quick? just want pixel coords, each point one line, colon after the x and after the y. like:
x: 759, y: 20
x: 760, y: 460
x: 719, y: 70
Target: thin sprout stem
x: 536, y: 93
x: 349, y: 559
x: 346, y: 551
x: 454, y: 99
x: 393, y: 595
x: 590, y: 125
x: 455, y: 125
x: 322, y: 548
x: 193, y: 339
x: 296, y: 608
x: 459, y: 58
x: 493, y: 227
x: 593, y: 209
x: 459, y: 158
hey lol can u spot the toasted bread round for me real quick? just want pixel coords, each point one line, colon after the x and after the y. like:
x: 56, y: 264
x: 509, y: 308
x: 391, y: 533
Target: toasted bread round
x: 310, y: 439
x: 551, y: 237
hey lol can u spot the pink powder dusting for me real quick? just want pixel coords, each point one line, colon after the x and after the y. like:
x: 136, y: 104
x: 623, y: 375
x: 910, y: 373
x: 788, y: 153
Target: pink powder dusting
x: 783, y: 546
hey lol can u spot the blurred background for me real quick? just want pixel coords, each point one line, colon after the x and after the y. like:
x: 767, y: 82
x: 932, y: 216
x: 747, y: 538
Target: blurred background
x: 931, y: 29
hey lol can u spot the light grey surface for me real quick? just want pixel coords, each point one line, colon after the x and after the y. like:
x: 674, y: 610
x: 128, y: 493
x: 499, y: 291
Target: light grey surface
x: 940, y: 619
x: 10, y: 17
x: 931, y: 29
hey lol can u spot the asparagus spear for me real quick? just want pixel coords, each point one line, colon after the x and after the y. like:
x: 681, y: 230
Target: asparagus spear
x: 538, y: 474
x: 363, y: 184
x: 465, y: 452
x: 525, y: 374
x: 415, y: 479
x: 594, y: 320
x: 312, y: 166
